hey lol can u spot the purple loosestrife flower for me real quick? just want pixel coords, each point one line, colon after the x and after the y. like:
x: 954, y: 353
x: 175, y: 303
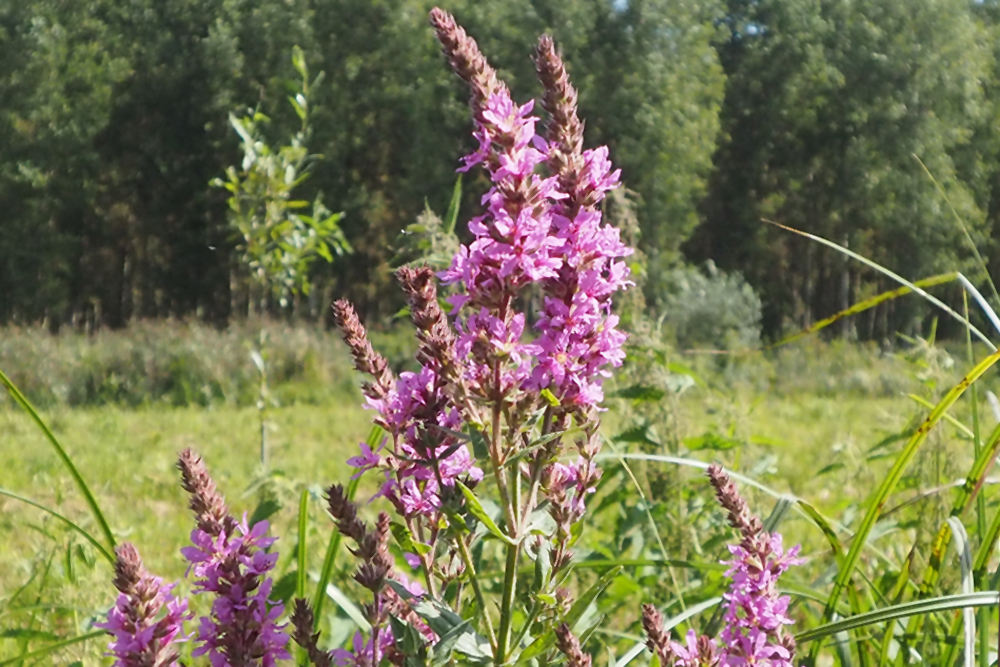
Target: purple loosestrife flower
x: 755, y: 613
x: 569, y: 646
x: 577, y: 334
x: 229, y: 559
x: 140, y: 639
x: 364, y: 653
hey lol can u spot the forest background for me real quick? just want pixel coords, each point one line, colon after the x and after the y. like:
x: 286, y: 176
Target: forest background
x: 113, y: 122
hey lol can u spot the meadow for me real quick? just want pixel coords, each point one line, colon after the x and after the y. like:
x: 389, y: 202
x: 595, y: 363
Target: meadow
x: 816, y: 421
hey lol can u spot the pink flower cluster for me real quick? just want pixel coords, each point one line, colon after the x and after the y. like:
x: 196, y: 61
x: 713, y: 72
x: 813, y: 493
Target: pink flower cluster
x: 577, y: 481
x: 363, y: 653
x: 532, y: 234
x: 234, y: 565
x: 425, y: 457
x: 578, y: 336
x: 138, y: 638
x: 755, y: 612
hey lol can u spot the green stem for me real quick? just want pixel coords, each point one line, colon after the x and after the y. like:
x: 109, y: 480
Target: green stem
x: 499, y: 475
x: 463, y: 550
x: 536, y: 608
x: 63, y: 456
x: 506, y: 606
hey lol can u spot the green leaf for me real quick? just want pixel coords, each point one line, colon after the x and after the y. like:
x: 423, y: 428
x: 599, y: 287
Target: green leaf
x: 543, y: 569
x: 406, y: 540
x: 545, y: 641
x: 550, y: 398
x: 284, y: 588
x: 451, y: 217
x: 640, y: 434
x: 477, y: 510
x: 944, y: 603
x: 264, y: 510
x: 462, y: 639
x: 778, y: 514
x: 87, y: 536
x: 63, y: 456
x: 345, y: 603
x: 538, y: 443
x: 712, y: 441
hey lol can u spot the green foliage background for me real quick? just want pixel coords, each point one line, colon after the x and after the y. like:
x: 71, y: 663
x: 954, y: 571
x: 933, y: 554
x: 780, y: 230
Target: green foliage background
x: 113, y: 118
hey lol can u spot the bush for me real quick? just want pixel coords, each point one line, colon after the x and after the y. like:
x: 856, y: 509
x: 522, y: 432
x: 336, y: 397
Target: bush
x: 177, y: 363
x: 707, y: 308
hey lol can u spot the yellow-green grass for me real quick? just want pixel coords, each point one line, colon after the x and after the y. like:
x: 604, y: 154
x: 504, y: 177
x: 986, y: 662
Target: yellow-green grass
x: 127, y: 457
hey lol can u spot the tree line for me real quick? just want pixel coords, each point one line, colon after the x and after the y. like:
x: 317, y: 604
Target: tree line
x: 721, y: 113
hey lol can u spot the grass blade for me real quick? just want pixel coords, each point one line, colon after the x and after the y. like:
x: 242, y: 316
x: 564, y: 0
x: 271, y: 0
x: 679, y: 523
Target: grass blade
x: 87, y: 536
x: 968, y: 237
x: 862, y: 306
x: 899, y: 279
x: 892, y: 478
x: 63, y: 456
x: 345, y: 603
x: 330, y: 559
x: 968, y: 616
x: 303, y: 561
x: 701, y: 465
x: 52, y: 648
x: 986, y: 546
x: 944, y: 603
x: 451, y: 217
x: 962, y: 502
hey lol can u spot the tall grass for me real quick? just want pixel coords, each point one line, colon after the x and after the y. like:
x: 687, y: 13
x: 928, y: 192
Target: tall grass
x: 173, y: 363
x: 876, y: 518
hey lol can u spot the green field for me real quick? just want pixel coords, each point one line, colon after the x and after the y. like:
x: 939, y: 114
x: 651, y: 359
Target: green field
x: 812, y: 434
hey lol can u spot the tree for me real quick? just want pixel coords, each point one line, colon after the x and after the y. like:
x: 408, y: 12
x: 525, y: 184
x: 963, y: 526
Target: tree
x: 827, y: 102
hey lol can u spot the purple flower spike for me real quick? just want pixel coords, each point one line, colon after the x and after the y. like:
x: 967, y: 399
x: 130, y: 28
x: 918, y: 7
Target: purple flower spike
x: 230, y: 560
x: 242, y: 629
x: 140, y: 639
x: 364, y: 653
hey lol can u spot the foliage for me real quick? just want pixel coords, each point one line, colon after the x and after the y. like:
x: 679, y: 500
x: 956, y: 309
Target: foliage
x: 116, y: 118
x: 827, y: 103
x: 708, y: 308
x: 172, y: 363
x: 278, y: 244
